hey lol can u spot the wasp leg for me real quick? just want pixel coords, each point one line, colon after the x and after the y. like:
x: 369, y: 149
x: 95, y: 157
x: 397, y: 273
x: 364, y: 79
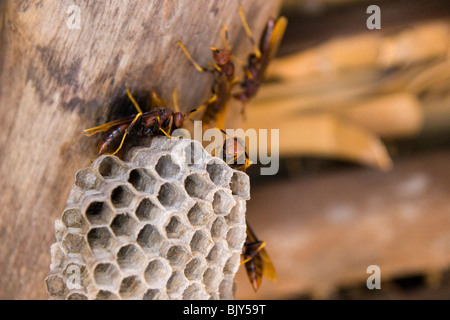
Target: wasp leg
x: 132, y: 124
x: 130, y: 127
x: 188, y: 55
x: 162, y: 130
x: 121, y: 144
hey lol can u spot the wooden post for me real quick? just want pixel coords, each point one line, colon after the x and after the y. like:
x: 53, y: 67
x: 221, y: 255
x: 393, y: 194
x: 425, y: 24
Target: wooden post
x: 63, y: 64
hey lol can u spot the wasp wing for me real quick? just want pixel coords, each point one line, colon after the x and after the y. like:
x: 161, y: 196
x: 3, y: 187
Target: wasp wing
x: 126, y: 120
x: 262, y: 264
x: 106, y: 126
x: 277, y: 36
x: 267, y: 266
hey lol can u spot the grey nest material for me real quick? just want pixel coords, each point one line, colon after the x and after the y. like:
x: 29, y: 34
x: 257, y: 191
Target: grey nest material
x: 167, y: 223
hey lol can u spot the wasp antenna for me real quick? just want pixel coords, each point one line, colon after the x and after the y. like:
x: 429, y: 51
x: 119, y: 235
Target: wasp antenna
x: 121, y: 144
x: 248, y: 31
x: 188, y: 55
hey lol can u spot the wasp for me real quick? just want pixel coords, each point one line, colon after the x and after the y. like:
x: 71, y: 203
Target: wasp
x: 161, y: 119
x: 256, y: 260
x: 258, y: 60
x: 233, y: 153
x: 224, y: 81
x: 255, y: 257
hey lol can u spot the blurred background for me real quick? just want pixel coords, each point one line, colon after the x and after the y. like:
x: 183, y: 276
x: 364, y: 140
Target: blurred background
x: 364, y: 119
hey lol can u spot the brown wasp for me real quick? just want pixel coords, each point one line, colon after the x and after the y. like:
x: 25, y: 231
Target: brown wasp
x: 233, y: 153
x: 224, y: 81
x: 255, y: 257
x: 159, y: 120
x: 257, y: 261
x: 258, y: 60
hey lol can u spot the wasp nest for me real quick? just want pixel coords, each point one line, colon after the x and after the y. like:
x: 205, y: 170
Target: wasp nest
x: 169, y: 223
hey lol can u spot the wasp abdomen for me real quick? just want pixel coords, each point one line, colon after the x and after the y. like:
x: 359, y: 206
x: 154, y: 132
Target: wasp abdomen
x: 111, y: 139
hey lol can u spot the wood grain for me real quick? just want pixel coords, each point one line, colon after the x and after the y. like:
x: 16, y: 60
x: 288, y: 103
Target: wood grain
x: 57, y: 81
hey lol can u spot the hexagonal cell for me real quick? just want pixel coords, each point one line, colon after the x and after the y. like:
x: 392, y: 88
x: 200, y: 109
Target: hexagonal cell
x: 195, y: 268
x: 123, y: 225
x: 131, y: 288
x: 218, y: 255
x: 153, y: 294
x: 88, y: 179
x: 232, y: 264
x: 77, y: 296
x: 130, y: 258
x: 236, y: 237
x: 75, y: 196
x: 100, y: 239
x: 200, y: 214
x: 167, y: 168
x: 106, y: 295
x: 107, y: 275
x: 148, y: 211
x: 198, y: 186
x: 201, y: 243
x: 72, y: 218
x: 240, y: 185
x: 150, y: 239
x: 57, y: 255
x: 219, y: 228
x: 171, y: 195
x: 219, y: 172
x: 212, y: 278
x: 56, y: 286
x: 226, y: 288
x: 178, y: 256
x: 74, y: 243
x: 60, y: 230
x: 157, y: 273
x: 195, y: 292
x: 176, y: 229
x: 142, y: 180
x: 223, y: 202
x: 195, y: 155
x: 98, y: 213
x: 111, y: 167
x: 176, y: 283
x: 121, y: 196
x: 237, y: 214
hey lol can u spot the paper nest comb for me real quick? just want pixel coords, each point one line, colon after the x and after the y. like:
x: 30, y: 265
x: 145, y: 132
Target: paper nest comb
x: 169, y: 223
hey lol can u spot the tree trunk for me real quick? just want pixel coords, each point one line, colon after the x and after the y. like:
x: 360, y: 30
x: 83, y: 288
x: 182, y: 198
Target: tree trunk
x: 65, y: 68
